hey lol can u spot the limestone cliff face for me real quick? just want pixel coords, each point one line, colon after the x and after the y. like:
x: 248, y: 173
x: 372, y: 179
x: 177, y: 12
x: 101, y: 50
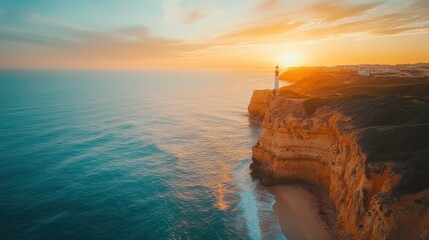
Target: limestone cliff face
x: 323, y: 149
x: 258, y: 103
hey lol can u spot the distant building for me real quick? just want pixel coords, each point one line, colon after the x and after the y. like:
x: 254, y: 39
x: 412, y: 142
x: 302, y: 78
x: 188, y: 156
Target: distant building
x: 363, y: 72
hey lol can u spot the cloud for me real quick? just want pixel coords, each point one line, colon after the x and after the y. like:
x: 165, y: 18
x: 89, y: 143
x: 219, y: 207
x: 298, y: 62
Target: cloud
x: 267, y: 5
x: 36, y: 19
x: 25, y: 37
x: 55, y: 41
x: 262, y: 31
x: 336, y: 10
x: 131, y: 45
x: 70, y: 37
x: 174, y: 12
x: 318, y: 21
x: 394, y: 31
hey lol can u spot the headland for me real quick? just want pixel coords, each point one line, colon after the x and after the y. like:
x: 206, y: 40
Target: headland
x: 358, y: 133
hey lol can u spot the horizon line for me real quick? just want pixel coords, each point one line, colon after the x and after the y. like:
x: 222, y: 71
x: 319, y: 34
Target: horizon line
x: 193, y: 69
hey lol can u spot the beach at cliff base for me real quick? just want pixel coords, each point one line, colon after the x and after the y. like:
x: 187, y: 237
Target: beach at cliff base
x: 299, y: 212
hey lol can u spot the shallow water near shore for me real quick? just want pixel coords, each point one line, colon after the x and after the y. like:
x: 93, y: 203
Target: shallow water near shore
x: 130, y: 155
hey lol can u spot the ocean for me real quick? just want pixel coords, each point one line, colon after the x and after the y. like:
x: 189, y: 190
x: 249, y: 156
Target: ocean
x: 130, y: 155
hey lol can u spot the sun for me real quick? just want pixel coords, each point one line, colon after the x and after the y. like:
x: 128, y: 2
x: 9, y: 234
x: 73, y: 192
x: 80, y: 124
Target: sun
x: 290, y: 59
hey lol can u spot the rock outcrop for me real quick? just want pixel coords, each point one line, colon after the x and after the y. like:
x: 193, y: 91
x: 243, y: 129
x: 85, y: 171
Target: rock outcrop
x: 257, y: 106
x: 378, y: 186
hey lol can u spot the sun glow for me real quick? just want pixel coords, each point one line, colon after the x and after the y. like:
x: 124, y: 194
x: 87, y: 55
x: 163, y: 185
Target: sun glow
x: 291, y: 59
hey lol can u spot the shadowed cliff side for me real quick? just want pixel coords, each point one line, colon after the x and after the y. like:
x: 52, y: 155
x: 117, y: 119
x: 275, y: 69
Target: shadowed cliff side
x: 362, y: 138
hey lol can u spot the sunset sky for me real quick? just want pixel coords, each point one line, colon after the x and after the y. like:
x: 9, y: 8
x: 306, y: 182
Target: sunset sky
x: 210, y: 34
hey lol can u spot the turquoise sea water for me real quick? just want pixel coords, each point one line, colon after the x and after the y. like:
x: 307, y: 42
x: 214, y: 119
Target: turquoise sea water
x: 130, y: 155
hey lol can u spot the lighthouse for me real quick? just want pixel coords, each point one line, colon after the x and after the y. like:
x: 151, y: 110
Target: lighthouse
x: 276, y: 90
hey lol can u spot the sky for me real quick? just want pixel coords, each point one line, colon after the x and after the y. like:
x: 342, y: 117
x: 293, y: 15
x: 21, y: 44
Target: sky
x: 210, y: 34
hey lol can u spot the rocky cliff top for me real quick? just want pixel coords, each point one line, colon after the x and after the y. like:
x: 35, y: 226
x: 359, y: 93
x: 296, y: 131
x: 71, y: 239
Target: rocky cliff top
x: 389, y: 114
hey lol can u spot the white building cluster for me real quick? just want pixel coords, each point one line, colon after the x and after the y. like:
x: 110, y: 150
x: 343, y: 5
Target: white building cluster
x: 419, y: 69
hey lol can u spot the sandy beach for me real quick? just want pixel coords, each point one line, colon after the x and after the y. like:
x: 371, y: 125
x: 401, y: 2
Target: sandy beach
x: 301, y: 214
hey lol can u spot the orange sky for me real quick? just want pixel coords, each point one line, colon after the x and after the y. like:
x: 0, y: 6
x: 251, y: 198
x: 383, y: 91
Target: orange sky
x: 179, y: 34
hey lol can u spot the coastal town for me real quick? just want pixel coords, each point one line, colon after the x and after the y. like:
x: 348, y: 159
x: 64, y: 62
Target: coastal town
x: 401, y: 70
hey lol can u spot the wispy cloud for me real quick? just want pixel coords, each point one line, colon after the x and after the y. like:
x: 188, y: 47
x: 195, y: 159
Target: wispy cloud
x: 332, y: 19
x: 16, y: 35
x: 130, y: 43
x: 175, y: 12
x: 263, y: 31
x: 133, y: 45
x: 267, y: 5
x: 332, y: 11
x: 278, y: 23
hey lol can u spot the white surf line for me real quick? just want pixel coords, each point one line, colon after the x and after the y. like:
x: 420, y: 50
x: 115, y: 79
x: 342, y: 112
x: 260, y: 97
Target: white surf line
x: 247, y: 200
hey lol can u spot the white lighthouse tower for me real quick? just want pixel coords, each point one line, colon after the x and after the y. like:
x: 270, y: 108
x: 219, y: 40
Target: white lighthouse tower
x: 276, y: 90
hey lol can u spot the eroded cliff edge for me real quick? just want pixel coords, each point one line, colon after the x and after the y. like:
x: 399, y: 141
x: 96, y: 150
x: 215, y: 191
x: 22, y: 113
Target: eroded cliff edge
x: 364, y: 140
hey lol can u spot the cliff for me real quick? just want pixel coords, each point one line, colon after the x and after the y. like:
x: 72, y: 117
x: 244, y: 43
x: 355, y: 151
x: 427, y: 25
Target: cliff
x: 363, y: 140
x: 257, y: 106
